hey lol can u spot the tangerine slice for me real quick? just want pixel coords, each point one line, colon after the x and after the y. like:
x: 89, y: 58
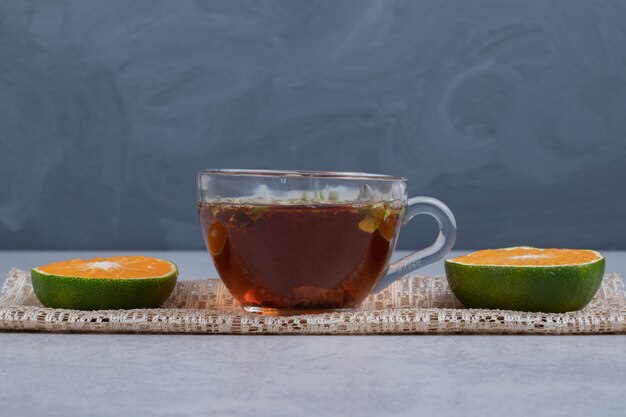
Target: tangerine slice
x: 118, y: 282
x: 527, y: 279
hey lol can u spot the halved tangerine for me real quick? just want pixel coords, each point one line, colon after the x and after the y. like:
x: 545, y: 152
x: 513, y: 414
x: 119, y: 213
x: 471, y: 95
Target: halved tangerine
x: 118, y: 282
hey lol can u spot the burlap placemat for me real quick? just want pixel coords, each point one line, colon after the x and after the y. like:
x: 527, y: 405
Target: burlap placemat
x: 412, y: 305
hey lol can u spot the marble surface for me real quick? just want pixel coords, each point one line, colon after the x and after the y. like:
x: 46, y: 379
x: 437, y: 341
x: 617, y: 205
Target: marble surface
x: 163, y: 375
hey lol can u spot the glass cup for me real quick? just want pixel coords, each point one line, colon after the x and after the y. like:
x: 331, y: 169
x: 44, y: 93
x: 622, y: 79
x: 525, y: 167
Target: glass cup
x: 296, y: 242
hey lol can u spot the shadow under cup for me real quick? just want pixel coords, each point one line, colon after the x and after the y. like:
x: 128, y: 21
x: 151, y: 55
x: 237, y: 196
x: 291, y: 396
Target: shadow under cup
x: 297, y: 242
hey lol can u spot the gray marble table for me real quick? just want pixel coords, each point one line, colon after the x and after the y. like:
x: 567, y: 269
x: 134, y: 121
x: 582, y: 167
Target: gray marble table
x: 163, y: 375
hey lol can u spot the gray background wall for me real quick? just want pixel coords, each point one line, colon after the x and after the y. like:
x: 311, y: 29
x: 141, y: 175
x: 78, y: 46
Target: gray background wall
x: 512, y: 112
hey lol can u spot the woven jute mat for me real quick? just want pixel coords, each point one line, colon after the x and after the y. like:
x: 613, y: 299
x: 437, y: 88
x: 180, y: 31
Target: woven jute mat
x: 412, y: 305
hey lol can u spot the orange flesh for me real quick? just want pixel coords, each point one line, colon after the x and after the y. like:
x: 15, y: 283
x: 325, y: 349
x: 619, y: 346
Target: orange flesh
x: 113, y: 267
x: 529, y: 257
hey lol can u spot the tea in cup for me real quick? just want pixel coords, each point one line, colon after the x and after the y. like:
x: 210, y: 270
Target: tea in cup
x: 296, y: 242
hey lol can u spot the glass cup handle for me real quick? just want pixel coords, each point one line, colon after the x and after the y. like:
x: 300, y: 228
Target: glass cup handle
x: 443, y: 244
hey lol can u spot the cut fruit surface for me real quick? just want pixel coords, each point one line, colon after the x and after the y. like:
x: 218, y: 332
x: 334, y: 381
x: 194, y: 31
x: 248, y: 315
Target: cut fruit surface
x: 113, y: 267
x: 119, y: 282
x: 526, y: 278
x: 527, y: 256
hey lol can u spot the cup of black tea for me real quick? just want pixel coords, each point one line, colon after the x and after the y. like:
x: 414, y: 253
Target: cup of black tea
x: 299, y: 242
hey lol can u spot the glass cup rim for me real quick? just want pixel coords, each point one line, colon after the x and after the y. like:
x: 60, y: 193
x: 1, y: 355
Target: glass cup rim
x: 271, y: 173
